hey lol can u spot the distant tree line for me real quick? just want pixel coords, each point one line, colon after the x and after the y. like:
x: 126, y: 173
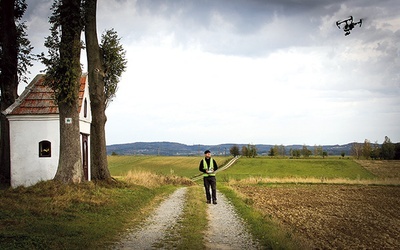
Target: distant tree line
x: 277, y: 151
x: 247, y: 151
x: 368, y: 150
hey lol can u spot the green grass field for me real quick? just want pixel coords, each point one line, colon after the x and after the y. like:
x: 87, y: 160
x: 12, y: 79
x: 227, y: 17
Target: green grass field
x: 185, y: 166
x: 329, y: 168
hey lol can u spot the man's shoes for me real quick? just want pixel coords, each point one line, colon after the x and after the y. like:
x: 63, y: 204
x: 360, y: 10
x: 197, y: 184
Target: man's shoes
x: 208, y: 202
x: 215, y: 202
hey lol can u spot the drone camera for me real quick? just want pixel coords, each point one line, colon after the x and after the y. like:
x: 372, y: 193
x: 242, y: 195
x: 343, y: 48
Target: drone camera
x: 347, y: 24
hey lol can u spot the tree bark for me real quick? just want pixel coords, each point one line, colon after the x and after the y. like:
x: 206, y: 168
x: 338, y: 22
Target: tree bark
x: 8, y: 81
x: 98, y: 156
x: 70, y: 169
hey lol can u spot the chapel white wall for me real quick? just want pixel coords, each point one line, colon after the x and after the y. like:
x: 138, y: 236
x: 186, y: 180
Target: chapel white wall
x: 27, y: 167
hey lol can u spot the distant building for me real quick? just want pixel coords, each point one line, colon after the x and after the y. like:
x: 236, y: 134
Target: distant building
x: 35, y: 133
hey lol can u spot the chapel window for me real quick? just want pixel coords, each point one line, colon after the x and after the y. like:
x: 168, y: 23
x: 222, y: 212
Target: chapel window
x: 44, y: 149
x: 85, y: 108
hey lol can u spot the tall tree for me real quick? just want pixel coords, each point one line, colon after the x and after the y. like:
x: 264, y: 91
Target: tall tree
x: 63, y: 74
x: 98, y: 158
x: 318, y: 150
x: 251, y: 150
x: 282, y: 150
x: 234, y: 150
x: 366, y: 149
x: 356, y: 150
x: 276, y: 150
x: 397, y: 151
x: 305, y: 151
x: 376, y: 151
x: 388, y: 149
x: 271, y: 151
x: 245, y: 151
x: 105, y: 65
x: 296, y: 153
x: 15, y: 57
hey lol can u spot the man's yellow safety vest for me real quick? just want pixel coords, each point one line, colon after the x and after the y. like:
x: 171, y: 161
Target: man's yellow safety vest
x: 206, y: 167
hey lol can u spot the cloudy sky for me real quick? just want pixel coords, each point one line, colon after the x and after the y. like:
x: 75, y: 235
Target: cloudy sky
x: 249, y: 71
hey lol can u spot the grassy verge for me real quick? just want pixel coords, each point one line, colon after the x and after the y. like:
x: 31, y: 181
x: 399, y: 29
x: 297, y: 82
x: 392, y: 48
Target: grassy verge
x: 90, y: 215
x: 267, y: 231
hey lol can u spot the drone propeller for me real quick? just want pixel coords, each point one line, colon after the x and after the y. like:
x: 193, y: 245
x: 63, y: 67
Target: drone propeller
x: 362, y: 20
x: 350, y: 18
x: 359, y: 22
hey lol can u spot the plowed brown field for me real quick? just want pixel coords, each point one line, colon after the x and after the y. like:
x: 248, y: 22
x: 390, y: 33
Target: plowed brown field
x: 333, y: 216
x: 336, y: 216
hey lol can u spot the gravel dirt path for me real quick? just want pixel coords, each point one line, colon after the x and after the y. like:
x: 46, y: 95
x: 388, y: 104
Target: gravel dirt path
x: 225, y: 230
x: 155, y: 228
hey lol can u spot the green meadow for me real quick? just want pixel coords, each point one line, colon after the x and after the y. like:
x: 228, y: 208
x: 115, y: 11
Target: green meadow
x: 185, y: 166
x: 265, y: 167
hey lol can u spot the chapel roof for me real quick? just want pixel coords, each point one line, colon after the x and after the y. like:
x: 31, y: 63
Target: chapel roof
x: 38, y: 99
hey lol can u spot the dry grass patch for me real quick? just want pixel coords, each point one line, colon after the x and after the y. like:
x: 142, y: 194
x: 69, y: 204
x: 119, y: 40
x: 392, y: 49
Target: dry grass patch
x: 382, y: 169
x: 152, y: 180
x: 311, y: 180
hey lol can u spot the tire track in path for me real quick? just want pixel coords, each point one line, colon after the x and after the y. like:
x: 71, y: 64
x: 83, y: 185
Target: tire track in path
x: 226, y: 230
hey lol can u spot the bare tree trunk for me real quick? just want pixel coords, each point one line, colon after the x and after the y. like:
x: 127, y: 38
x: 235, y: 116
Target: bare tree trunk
x: 8, y: 81
x: 70, y: 169
x: 98, y: 157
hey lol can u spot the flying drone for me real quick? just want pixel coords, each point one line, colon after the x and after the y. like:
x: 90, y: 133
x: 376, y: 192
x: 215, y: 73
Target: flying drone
x: 347, y: 25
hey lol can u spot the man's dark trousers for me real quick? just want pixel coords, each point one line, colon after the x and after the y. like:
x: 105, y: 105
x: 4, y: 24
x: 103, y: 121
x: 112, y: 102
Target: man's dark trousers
x: 210, y: 181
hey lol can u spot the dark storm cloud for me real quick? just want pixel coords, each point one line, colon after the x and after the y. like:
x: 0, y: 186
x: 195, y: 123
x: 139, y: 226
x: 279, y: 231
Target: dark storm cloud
x: 255, y: 28
x: 252, y: 27
x: 239, y: 27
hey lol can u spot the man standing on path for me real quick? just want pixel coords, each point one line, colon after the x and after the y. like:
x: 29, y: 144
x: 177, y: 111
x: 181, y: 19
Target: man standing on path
x: 208, y: 166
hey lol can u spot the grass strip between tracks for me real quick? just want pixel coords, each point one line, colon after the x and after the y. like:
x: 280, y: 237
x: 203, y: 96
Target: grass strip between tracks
x: 188, y: 233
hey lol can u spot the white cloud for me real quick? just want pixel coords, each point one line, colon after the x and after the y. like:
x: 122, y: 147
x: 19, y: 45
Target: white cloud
x: 275, y: 72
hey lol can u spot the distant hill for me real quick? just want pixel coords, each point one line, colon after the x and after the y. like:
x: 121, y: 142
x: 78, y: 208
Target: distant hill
x: 173, y: 148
